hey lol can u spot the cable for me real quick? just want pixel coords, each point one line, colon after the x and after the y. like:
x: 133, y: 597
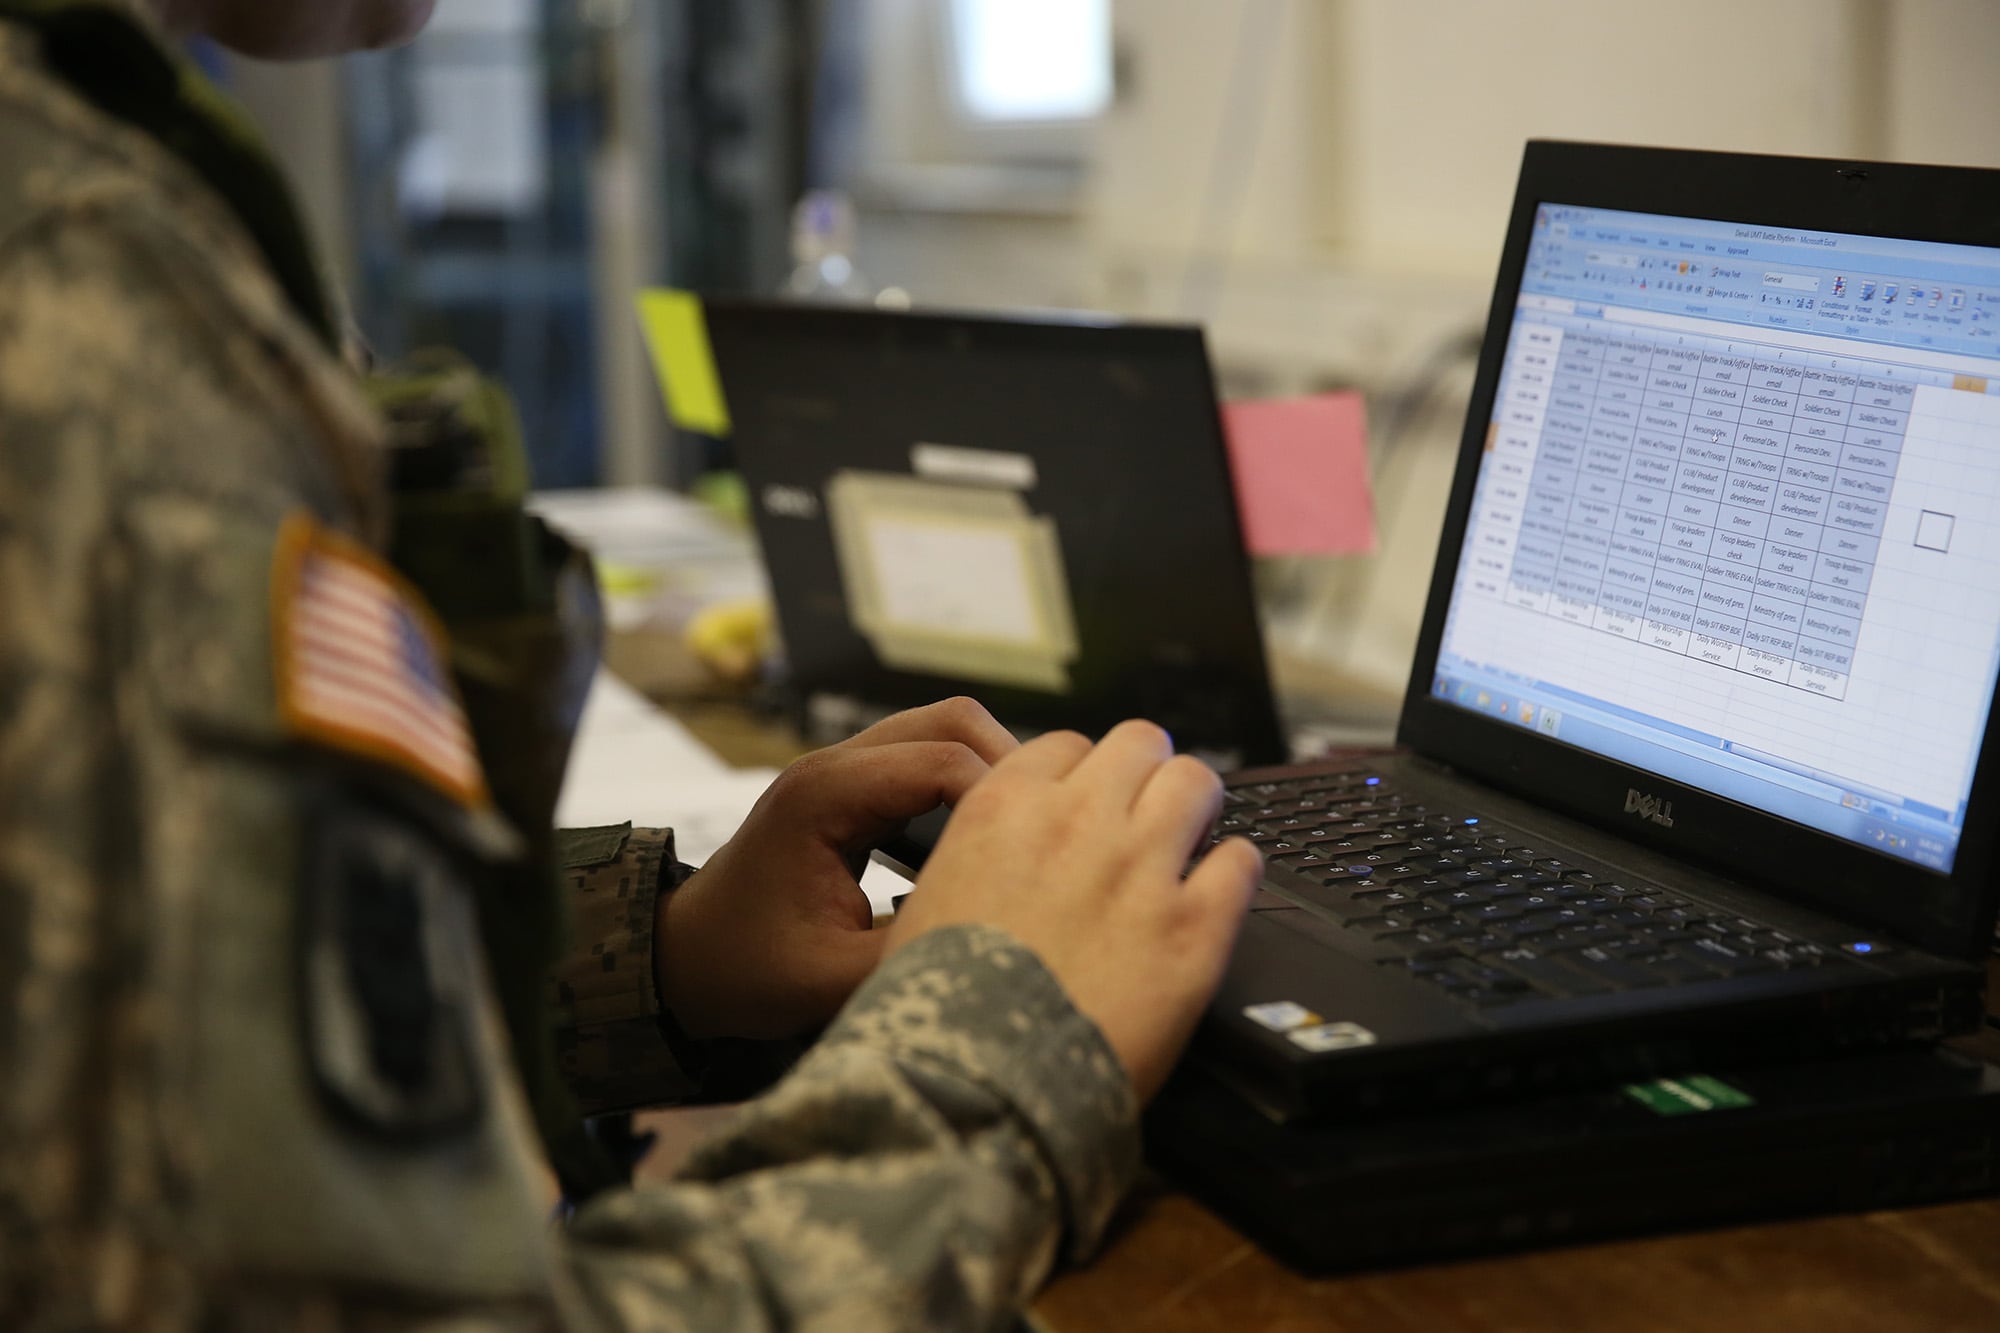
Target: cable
x: 1404, y: 408
x: 1242, y: 125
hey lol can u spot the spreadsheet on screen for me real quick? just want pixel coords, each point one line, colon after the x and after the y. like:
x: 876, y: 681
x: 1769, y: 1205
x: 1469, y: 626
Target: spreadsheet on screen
x: 1737, y: 519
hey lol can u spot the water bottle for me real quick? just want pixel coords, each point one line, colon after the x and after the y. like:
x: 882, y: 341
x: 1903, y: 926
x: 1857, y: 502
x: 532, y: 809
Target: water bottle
x: 822, y: 251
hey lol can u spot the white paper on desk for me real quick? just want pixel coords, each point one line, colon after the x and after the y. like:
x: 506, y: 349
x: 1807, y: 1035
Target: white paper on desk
x: 632, y: 761
x: 622, y: 736
x: 660, y: 556
x: 642, y: 525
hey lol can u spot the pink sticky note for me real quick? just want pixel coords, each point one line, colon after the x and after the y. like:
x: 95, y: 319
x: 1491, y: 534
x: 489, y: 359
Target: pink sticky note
x: 1301, y: 467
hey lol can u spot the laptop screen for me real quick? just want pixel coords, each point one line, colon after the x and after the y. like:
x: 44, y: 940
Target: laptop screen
x: 1037, y: 511
x: 1737, y: 521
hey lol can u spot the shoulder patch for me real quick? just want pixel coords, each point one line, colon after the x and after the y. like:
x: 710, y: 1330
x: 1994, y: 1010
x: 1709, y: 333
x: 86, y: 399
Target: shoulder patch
x: 361, y: 663
x: 390, y: 987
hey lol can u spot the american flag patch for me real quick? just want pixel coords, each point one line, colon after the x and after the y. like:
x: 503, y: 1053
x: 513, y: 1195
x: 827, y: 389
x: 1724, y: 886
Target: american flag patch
x: 361, y: 662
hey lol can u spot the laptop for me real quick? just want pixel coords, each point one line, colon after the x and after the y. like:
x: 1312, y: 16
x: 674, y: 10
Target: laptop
x: 1868, y: 1130
x: 1697, y: 764
x: 1035, y: 511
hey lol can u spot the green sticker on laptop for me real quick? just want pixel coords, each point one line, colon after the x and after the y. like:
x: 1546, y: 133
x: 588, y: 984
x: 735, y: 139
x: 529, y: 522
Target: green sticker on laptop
x: 1686, y: 1096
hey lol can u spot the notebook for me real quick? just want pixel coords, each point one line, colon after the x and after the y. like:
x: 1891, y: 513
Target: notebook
x: 1037, y: 511
x: 1697, y: 760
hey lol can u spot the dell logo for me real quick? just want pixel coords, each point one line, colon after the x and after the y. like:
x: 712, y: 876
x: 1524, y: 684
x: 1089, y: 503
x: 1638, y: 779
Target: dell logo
x: 1649, y: 807
x: 790, y: 502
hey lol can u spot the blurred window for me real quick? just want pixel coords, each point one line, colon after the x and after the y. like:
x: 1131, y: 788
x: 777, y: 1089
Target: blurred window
x: 1031, y: 60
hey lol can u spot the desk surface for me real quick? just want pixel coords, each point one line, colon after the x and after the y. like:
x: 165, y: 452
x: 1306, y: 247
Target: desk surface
x: 1178, y: 1268
x: 1173, y: 1265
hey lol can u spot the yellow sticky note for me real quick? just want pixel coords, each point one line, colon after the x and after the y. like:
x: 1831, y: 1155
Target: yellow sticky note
x: 677, y: 334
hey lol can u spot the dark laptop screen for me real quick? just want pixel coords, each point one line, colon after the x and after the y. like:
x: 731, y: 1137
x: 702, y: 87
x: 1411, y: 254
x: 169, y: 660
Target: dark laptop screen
x: 1737, y: 521
x: 1035, y: 511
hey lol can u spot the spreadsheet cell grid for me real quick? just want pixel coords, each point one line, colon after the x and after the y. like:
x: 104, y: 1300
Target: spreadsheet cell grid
x: 1744, y: 495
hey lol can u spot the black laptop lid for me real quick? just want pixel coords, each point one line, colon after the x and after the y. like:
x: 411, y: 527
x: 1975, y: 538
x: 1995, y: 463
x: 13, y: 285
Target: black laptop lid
x: 1721, y: 565
x: 1035, y: 512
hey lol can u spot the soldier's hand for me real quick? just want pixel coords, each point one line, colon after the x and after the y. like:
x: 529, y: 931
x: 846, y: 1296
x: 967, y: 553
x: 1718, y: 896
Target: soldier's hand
x: 1078, y: 851
x: 772, y: 935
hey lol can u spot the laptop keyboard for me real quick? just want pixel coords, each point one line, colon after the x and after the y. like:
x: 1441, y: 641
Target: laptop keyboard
x: 1476, y: 909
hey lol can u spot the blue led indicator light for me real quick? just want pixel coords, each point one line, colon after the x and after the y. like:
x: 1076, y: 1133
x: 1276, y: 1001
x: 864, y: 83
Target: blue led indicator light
x: 1472, y: 821
x: 1374, y: 782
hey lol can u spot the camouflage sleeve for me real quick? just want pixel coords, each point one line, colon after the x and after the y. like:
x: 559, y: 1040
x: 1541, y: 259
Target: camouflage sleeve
x: 959, y: 1128
x: 606, y: 1004
x: 616, y: 1046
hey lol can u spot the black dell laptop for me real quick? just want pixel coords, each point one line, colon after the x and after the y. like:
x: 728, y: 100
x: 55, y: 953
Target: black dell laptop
x: 1697, y: 763
x: 1036, y: 511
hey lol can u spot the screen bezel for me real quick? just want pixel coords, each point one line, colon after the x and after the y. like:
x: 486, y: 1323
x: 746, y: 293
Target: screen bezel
x: 1949, y: 914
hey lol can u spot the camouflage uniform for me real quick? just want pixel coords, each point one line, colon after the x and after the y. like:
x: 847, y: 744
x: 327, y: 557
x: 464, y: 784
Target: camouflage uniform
x: 196, y: 1130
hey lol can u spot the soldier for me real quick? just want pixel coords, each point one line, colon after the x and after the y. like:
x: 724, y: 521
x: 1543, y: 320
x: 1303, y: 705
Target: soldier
x: 272, y: 943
